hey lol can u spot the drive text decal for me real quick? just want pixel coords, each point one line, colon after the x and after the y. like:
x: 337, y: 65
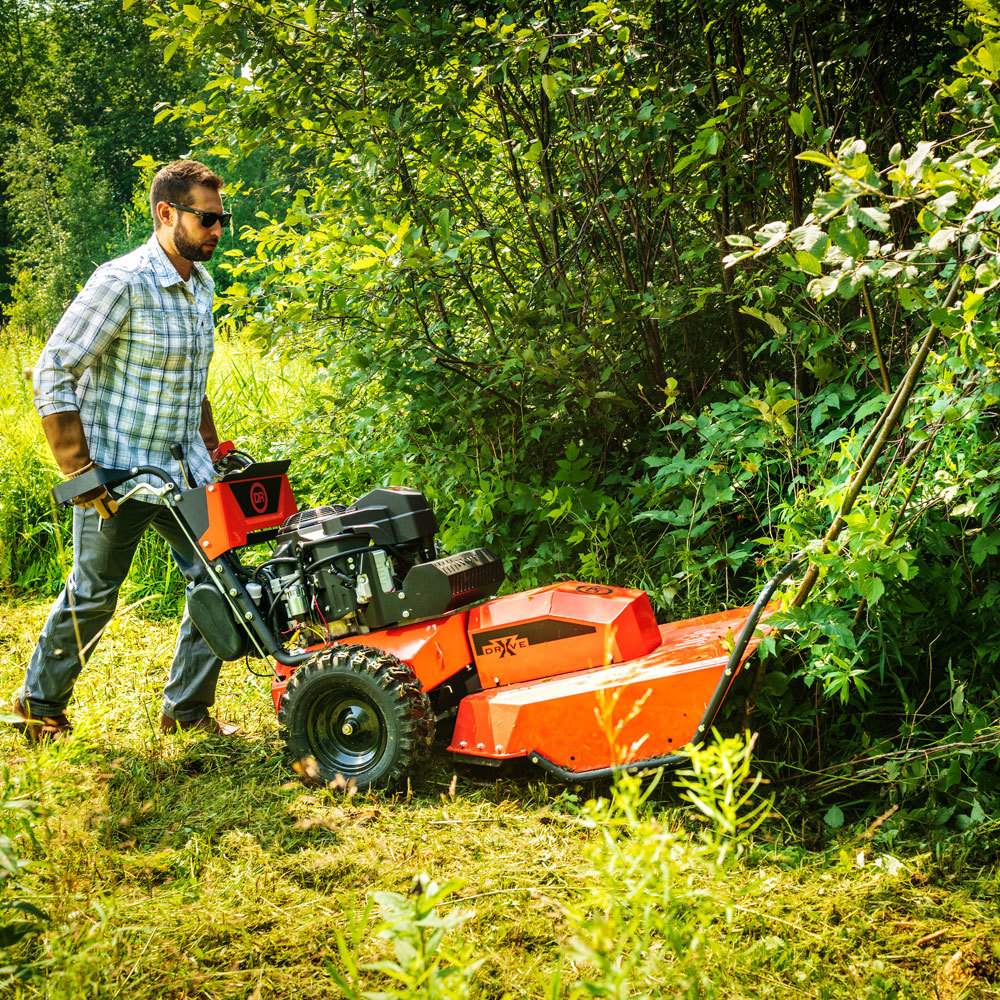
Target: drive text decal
x: 511, y: 639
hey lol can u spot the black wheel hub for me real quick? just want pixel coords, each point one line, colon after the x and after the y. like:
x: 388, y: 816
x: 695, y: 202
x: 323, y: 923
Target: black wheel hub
x: 346, y: 732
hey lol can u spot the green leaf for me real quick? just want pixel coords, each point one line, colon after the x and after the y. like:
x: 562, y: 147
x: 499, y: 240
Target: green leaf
x: 830, y: 202
x: 171, y: 49
x: 815, y: 156
x: 364, y: 264
x: 549, y: 86
x: 808, y: 263
x: 192, y: 12
x: 958, y: 700
x: 823, y: 287
x: 873, y: 217
x: 310, y: 15
x: 988, y: 56
x: 797, y: 123
x: 943, y: 238
x: 834, y: 817
x: 872, y: 588
x: 852, y: 241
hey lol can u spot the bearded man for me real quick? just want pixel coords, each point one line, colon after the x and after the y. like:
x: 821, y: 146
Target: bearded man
x: 120, y: 380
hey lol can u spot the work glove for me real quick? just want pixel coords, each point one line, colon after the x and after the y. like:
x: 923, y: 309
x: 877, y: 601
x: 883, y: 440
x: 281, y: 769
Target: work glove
x: 101, y: 499
x: 68, y: 443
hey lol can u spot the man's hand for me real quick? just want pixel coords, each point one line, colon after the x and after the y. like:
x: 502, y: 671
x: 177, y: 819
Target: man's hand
x: 220, y: 453
x: 101, y: 500
x: 226, y: 458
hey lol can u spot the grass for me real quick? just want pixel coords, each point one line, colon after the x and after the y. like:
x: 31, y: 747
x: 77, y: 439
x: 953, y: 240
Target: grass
x: 183, y: 867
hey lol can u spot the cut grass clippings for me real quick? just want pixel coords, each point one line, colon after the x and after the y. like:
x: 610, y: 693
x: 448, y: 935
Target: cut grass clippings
x: 188, y: 867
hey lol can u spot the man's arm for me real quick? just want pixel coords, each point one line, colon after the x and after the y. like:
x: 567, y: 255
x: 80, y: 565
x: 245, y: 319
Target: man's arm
x: 90, y: 324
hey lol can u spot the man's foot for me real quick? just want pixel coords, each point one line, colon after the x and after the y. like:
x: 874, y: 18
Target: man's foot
x: 206, y: 724
x: 42, y: 729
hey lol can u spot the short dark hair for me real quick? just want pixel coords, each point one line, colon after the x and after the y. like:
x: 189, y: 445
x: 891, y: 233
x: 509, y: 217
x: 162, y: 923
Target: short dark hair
x: 174, y: 181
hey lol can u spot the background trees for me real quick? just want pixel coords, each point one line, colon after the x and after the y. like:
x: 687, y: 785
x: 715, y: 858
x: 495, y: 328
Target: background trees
x: 77, y: 88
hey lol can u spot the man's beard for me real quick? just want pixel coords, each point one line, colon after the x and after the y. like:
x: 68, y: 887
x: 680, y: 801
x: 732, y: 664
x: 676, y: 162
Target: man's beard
x: 189, y: 249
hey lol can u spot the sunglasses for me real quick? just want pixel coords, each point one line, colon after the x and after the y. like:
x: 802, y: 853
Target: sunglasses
x: 208, y: 219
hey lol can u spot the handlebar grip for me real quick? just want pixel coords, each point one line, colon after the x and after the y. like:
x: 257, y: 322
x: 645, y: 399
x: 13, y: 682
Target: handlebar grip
x: 66, y: 492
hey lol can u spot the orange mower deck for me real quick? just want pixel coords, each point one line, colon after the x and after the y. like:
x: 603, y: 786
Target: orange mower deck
x: 576, y: 677
x: 586, y: 720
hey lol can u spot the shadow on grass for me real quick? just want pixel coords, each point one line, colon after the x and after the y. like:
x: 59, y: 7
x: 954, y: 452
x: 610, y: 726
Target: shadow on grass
x: 206, y: 788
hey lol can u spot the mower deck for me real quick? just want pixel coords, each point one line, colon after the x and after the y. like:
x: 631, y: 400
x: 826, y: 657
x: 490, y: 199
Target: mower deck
x: 582, y: 721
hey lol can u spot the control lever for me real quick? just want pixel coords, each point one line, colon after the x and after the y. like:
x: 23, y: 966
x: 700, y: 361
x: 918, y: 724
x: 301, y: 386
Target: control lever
x: 177, y: 451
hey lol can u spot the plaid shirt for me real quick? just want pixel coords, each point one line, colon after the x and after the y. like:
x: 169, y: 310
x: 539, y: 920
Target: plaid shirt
x: 131, y: 353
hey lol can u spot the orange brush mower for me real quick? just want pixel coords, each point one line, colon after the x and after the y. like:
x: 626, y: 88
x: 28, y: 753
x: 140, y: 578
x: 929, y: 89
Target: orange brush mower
x: 377, y: 640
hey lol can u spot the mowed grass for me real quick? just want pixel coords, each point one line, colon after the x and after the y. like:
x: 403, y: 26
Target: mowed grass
x: 189, y: 867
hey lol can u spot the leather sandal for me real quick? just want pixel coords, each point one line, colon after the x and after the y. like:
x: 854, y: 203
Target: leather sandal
x: 40, y: 729
x: 206, y: 724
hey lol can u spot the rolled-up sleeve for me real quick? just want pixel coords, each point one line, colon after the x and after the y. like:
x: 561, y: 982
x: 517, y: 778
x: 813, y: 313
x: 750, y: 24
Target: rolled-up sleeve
x: 91, y: 323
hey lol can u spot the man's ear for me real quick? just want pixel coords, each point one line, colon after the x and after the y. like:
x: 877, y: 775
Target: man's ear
x: 163, y: 213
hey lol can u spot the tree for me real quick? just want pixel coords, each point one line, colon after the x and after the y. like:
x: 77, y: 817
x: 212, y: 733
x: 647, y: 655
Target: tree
x: 76, y: 99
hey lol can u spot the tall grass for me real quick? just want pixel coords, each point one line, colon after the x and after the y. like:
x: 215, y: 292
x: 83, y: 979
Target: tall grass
x: 33, y: 536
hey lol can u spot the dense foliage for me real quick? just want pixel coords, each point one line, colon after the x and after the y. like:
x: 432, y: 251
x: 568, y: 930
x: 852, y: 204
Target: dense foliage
x: 76, y: 93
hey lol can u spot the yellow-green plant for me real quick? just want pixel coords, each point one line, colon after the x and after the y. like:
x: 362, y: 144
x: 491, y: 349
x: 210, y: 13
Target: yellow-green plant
x: 647, y: 926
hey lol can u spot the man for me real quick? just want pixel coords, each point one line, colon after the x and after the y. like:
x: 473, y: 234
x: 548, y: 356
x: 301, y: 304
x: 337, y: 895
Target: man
x: 122, y: 378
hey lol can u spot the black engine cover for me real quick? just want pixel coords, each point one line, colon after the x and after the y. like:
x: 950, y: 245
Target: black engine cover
x: 397, y: 517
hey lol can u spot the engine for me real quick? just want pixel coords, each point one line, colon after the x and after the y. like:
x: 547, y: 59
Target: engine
x: 343, y: 570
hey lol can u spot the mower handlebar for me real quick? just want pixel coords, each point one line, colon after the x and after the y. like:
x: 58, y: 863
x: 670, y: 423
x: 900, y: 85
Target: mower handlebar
x: 66, y: 492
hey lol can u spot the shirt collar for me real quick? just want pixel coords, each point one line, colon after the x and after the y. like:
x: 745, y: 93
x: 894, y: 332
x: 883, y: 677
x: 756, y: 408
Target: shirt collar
x: 166, y: 273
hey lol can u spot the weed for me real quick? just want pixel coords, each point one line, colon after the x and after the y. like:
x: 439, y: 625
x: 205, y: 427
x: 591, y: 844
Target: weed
x: 19, y: 917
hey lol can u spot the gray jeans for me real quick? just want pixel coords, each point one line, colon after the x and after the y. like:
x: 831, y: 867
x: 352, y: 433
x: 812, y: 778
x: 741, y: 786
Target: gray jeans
x: 101, y: 561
